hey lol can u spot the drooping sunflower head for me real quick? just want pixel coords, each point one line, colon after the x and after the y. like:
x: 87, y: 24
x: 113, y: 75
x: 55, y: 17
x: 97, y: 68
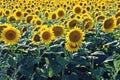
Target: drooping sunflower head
x: 109, y: 24
x: 10, y: 35
x: 35, y: 38
x: 11, y: 18
x: 58, y: 30
x: 71, y: 48
x: 77, y: 9
x: 61, y: 12
x: 75, y: 36
x: 47, y: 36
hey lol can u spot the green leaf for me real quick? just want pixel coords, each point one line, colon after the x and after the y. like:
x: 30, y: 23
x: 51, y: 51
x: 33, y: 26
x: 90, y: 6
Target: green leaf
x: 50, y: 73
x: 117, y: 62
x: 62, y: 61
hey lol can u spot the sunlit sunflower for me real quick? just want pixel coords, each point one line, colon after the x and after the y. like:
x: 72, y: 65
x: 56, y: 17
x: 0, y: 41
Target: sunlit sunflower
x: 75, y: 36
x: 88, y: 25
x: 29, y: 18
x: 71, y: 48
x: 18, y: 14
x: 72, y: 23
x: 53, y: 15
x: 77, y: 9
x: 38, y: 21
x: 10, y: 35
x: 109, y: 24
x: 61, y: 12
x: 47, y: 36
x: 58, y: 30
x: 35, y: 38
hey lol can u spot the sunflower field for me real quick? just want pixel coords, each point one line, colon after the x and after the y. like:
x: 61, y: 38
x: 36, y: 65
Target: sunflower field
x: 59, y: 39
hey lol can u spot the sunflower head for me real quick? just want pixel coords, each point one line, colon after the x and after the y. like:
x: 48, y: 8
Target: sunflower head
x: 35, y: 38
x: 10, y: 35
x: 61, y: 12
x: 18, y: 14
x: 47, y: 36
x: 58, y: 30
x: 75, y: 36
x: 109, y: 24
x: 72, y: 23
x: 77, y: 9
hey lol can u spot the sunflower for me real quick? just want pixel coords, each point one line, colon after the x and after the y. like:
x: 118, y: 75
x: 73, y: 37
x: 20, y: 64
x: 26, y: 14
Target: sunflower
x: 29, y: 18
x: 38, y: 21
x: 58, y: 30
x: 18, y: 14
x: 71, y: 48
x: 35, y: 38
x: 53, y: 15
x: 109, y: 24
x: 7, y: 12
x: 72, y: 23
x: 10, y: 35
x: 77, y: 9
x: 61, y: 12
x: 47, y: 36
x: 88, y: 25
x: 75, y: 36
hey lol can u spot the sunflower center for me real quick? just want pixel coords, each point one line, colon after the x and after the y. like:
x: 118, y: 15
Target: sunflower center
x: 74, y: 36
x: 108, y: 23
x: 7, y: 12
x: 18, y: 14
x: 46, y: 35
x: 58, y: 31
x: 60, y: 13
x: 29, y: 18
x: 72, y: 23
x: 77, y: 10
x: 36, y: 38
x: 53, y: 16
x: 10, y: 35
x: 38, y: 22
